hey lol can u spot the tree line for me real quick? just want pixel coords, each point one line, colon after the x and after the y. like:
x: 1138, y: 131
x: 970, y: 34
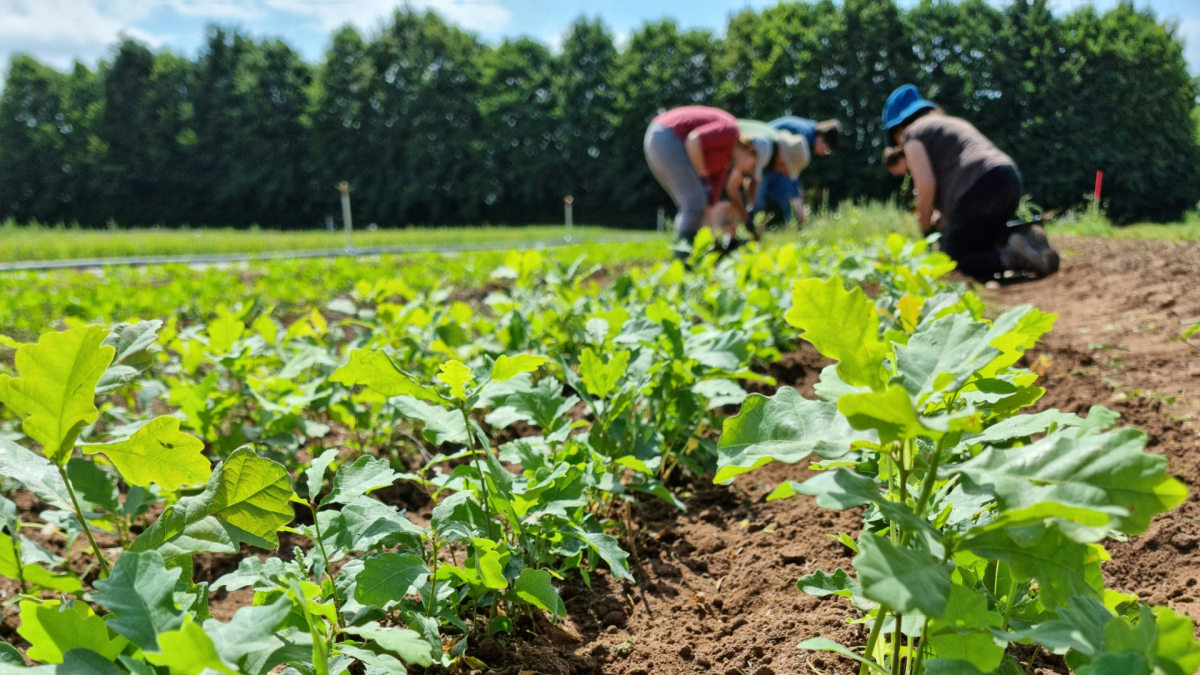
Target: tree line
x: 432, y: 126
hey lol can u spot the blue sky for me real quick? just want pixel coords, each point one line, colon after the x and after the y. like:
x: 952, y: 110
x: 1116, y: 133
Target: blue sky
x: 60, y: 31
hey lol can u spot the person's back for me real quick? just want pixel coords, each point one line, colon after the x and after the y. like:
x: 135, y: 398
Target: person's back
x: 959, y: 154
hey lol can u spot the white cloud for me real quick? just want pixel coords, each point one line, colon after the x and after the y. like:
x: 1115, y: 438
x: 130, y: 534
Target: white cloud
x: 485, y: 16
x: 1189, y: 30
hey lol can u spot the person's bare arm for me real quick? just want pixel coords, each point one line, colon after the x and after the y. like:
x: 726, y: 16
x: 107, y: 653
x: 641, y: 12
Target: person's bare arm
x: 733, y: 188
x: 924, y: 183
x: 695, y: 153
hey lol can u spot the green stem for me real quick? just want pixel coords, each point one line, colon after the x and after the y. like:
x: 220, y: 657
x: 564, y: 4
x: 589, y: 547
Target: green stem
x: 429, y: 609
x: 897, y: 639
x: 337, y: 605
x: 869, y: 653
x: 1012, y: 592
x: 921, y: 652
x: 16, y: 544
x: 908, y: 663
x: 487, y: 502
x: 83, y: 521
x: 930, y: 479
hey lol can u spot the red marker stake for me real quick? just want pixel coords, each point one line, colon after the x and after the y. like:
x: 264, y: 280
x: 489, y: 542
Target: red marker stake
x: 1099, y: 181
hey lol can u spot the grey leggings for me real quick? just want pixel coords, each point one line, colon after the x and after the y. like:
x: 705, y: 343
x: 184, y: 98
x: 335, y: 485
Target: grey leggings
x: 669, y: 163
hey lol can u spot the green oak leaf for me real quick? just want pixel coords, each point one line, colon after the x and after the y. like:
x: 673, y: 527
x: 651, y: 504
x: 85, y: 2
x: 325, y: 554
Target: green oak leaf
x: 439, y: 424
x: 131, y: 343
x: 490, y: 570
x: 951, y: 667
x: 457, y: 376
x: 81, y: 661
x: 363, y: 524
x: 609, y: 550
x: 39, y: 576
x: 902, y: 579
x: 785, y: 427
x: 507, y: 367
x: 843, y: 325
x: 314, y: 475
x: 1123, y: 663
x: 1097, y: 472
x: 249, y: 634
x: 534, y: 586
x: 943, y: 355
x: 839, y: 583
x: 600, y: 378
x: 253, y: 495
x: 355, y: 480
x: 409, y: 645
x: 1063, y: 568
x: 1024, y: 426
x: 188, y: 651
x: 1177, y: 652
x: 889, y: 412
x: 389, y: 577
x: 36, y: 473
x: 94, y: 484
x: 55, y: 393
x: 140, y: 593
x: 157, y: 453
x: 376, y: 371
x: 963, y: 632
x: 52, y: 630
x: 10, y: 567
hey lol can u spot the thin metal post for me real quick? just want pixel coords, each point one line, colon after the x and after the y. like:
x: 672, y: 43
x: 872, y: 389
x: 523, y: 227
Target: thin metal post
x: 662, y: 219
x: 344, y: 188
x: 567, y: 215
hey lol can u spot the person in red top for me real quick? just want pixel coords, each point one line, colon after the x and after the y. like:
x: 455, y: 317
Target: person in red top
x: 689, y: 151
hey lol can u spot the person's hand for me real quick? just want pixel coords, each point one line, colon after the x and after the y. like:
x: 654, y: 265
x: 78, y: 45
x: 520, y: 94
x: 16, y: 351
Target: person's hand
x: 936, y: 222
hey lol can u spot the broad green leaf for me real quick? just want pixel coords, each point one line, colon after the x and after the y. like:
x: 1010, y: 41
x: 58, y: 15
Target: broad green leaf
x: 188, y: 651
x: 36, y: 473
x: 39, y: 576
x: 609, y: 550
x: 250, y: 633
x: 95, y: 485
x: 889, y: 412
x: 376, y: 371
x: 950, y: 667
x: 364, y: 523
x: 314, y: 475
x: 389, y: 577
x: 826, y: 645
x: 1062, y: 568
x: 1096, y: 472
x: 80, y: 661
x: 1014, y: 332
x: 131, y: 358
x: 9, y: 656
x: 534, y: 586
x: 839, y: 583
x: 723, y: 350
x: 843, y: 325
x: 1124, y: 663
x: 52, y: 630
x: 1023, y: 426
x: 601, y: 378
x: 439, y: 425
x: 507, y: 367
x: 839, y: 489
x: 55, y: 393
x: 254, y: 495
x: 157, y: 453
x: 10, y: 567
x: 140, y: 593
x: 491, y: 571
x: 943, y: 355
x: 902, y: 579
x: 978, y: 648
x: 375, y: 662
x: 785, y: 427
x: 355, y: 480
x: 962, y: 633
x: 407, y: 644
x: 1177, y: 651
x: 456, y: 376
x: 720, y: 392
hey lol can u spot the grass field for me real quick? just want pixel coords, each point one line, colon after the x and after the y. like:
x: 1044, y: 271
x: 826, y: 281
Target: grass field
x: 37, y: 242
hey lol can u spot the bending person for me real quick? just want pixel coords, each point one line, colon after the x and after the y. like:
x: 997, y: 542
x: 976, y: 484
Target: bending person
x: 776, y: 153
x: 960, y: 173
x: 785, y: 190
x: 689, y: 151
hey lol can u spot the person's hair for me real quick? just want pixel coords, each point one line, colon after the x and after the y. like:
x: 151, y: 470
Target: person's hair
x: 830, y: 130
x: 746, y: 142
x: 892, y: 154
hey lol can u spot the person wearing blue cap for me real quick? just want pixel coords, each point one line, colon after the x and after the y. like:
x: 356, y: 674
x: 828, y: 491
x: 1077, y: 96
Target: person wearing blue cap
x: 957, y: 172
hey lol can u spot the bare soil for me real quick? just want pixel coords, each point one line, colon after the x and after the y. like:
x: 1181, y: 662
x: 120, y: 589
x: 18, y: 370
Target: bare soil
x: 715, y: 589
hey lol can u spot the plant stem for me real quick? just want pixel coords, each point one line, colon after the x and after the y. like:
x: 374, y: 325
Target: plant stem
x: 930, y: 479
x: 869, y: 652
x: 908, y: 662
x: 337, y: 605
x: 921, y: 652
x: 16, y: 544
x: 897, y: 638
x: 487, y: 502
x: 433, y: 580
x: 83, y: 521
x: 1012, y: 592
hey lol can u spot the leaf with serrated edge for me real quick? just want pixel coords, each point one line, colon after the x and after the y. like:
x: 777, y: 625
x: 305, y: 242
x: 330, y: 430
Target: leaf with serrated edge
x: 55, y: 394
x: 903, y: 579
x: 188, y: 651
x: 355, y: 480
x: 376, y: 371
x: 254, y: 495
x: 157, y: 453
x: 786, y: 428
x: 407, y: 644
x: 52, y: 630
x: 507, y: 367
x: 388, y: 577
x: 843, y: 325
x: 140, y: 593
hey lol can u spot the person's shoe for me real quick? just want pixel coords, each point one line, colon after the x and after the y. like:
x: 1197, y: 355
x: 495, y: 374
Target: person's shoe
x: 1021, y: 254
x: 1037, y: 236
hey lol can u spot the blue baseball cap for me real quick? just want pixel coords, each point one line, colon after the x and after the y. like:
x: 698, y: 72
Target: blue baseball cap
x: 902, y: 104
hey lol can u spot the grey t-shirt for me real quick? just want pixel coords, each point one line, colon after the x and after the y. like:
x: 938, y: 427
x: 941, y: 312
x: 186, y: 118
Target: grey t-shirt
x: 960, y: 155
